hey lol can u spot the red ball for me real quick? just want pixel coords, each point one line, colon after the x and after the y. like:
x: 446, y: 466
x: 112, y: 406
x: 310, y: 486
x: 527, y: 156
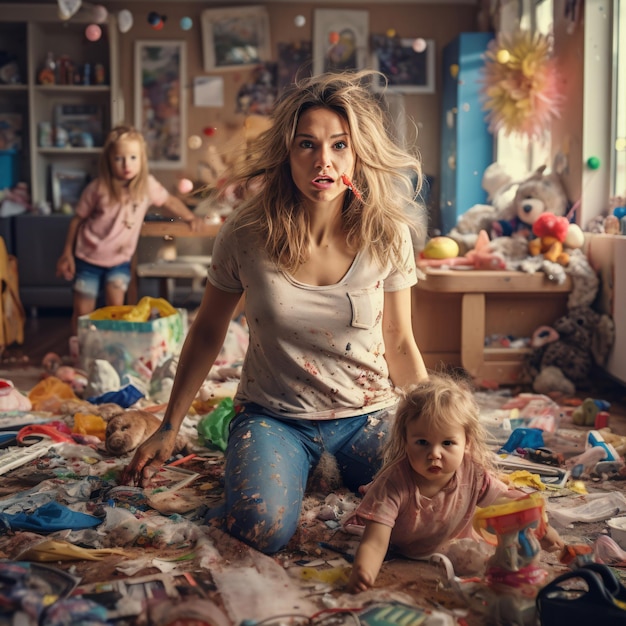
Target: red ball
x: 209, y: 131
x: 93, y: 32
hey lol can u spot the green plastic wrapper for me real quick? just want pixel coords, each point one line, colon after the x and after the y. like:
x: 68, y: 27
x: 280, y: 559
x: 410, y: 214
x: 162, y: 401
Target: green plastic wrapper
x: 213, y: 427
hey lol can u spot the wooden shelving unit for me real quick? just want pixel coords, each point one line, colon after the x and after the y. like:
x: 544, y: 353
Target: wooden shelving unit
x: 30, y: 32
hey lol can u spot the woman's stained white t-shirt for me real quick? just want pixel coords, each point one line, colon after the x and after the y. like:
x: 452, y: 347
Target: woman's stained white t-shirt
x: 314, y: 352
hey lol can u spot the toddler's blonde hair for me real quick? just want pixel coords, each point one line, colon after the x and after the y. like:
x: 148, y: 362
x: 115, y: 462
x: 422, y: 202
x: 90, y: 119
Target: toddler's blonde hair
x: 444, y: 399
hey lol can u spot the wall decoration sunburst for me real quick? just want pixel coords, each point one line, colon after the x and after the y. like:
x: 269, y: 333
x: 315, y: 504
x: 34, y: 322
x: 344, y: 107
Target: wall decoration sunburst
x: 520, y: 86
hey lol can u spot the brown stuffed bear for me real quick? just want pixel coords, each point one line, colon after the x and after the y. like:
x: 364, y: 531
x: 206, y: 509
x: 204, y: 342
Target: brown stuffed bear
x: 584, y: 339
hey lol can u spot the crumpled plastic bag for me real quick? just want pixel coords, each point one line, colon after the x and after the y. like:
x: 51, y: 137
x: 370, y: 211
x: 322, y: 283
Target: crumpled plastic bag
x: 49, y: 518
x: 524, y: 438
x: 608, y: 551
x: 593, y: 508
x: 51, y: 550
x: 214, y: 426
x: 90, y: 424
x: 49, y: 394
x: 11, y: 399
x: 124, y: 397
x: 140, y: 312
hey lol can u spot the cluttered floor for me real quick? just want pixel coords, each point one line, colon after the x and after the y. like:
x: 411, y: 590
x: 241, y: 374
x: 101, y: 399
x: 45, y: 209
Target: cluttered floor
x: 77, y: 548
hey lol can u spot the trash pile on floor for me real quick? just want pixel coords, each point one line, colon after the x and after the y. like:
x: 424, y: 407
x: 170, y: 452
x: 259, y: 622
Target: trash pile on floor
x: 80, y: 548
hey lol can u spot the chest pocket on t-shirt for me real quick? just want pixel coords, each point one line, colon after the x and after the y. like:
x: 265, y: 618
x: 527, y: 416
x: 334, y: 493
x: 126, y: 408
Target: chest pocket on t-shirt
x: 363, y: 309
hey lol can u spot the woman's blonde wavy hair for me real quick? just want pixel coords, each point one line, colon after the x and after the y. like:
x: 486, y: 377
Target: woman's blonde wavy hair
x: 441, y: 400
x: 138, y: 186
x: 387, y: 176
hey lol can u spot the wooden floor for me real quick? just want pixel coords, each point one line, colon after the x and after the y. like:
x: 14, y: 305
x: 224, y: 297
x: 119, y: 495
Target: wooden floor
x: 50, y: 331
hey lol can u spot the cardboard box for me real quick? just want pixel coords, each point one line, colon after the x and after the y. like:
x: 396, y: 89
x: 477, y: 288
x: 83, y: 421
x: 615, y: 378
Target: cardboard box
x: 133, y: 348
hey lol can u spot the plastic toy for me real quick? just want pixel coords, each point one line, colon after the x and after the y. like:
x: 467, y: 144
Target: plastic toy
x: 511, y: 527
x: 586, y: 413
x: 595, y: 439
x: 551, y: 231
x: 441, y: 248
x: 443, y: 251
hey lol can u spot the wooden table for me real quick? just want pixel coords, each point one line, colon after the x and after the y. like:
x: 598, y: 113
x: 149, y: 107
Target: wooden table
x: 456, y: 311
x: 166, y: 228
x: 177, y: 228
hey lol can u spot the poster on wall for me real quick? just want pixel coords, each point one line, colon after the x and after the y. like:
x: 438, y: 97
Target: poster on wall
x: 295, y: 61
x: 160, y: 104
x: 339, y: 40
x: 408, y: 65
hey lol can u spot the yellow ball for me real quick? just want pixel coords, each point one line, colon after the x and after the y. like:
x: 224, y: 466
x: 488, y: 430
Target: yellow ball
x: 441, y: 248
x: 503, y: 56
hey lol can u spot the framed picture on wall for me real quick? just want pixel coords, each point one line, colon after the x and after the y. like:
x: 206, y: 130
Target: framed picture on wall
x: 339, y: 40
x: 160, y: 100
x: 234, y: 38
x: 408, y: 64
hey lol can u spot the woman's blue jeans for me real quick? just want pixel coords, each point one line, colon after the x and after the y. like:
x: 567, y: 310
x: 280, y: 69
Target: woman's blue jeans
x: 268, y: 461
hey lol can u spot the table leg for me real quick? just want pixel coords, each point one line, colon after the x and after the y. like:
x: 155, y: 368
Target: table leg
x: 473, y: 332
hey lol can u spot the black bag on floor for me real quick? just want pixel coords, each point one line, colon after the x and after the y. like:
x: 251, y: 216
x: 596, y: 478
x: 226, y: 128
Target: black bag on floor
x: 602, y: 599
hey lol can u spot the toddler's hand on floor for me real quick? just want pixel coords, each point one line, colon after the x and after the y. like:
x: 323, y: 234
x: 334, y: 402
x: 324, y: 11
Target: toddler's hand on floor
x: 360, y: 580
x: 551, y: 541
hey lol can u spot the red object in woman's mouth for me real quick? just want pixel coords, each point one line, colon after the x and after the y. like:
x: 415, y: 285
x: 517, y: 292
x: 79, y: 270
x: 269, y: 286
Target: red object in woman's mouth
x: 350, y: 185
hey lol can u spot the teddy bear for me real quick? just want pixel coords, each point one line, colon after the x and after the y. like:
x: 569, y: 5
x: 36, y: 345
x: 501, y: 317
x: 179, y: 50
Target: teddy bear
x: 582, y: 338
x: 512, y: 215
x: 538, y: 194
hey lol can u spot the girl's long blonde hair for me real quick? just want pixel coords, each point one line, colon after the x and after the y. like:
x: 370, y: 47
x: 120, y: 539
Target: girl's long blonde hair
x: 442, y: 400
x: 138, y: 186
x: 387, y: 176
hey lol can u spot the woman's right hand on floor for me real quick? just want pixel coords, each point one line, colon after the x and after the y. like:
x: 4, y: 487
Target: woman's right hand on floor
x: 149, y: 458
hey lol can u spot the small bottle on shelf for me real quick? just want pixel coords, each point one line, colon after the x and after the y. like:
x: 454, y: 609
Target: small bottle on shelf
x: 64, y: 70
x: 99, y: 75
x: 45, y: 135
x: 47, y: 74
